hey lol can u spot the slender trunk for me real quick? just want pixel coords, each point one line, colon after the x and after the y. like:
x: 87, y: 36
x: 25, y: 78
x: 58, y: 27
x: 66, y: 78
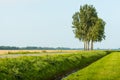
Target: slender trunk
x: 91, y: 45
x: 84, y: 45
x: 88, y: 44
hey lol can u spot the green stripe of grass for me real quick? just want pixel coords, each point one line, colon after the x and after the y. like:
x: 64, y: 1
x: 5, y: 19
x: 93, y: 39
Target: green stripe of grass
x: 107, y: 68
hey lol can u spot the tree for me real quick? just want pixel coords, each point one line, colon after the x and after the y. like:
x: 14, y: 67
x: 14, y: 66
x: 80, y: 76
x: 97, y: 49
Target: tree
x: 88, y: 27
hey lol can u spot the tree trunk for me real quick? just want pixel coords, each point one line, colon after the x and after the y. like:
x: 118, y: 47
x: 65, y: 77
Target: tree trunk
x: 84, y: 45
x: 88, y: 45
x: 91, y: 45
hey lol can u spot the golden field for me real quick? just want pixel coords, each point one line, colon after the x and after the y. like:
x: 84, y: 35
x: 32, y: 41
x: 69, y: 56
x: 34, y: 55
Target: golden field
x: 48, y: 51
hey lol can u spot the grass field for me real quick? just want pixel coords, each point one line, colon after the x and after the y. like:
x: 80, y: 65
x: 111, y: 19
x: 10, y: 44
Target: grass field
x: 45, y: 67
x: 107, y: 68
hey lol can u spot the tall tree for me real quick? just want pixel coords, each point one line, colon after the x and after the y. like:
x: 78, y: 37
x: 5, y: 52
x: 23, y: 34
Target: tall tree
x: 87, y: 26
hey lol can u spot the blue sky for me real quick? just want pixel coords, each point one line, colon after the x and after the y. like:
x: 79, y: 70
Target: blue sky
x: 47, y: 23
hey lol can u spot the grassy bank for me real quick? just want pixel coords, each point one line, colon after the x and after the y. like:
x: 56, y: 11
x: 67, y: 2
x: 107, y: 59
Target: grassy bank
x: 107, y: 68
x: 45, y: 67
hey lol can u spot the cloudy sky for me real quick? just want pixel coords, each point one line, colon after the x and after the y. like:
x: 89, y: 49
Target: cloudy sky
x: 47, y: 23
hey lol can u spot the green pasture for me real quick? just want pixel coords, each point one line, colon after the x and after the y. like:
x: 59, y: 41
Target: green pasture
x: 107, y: 68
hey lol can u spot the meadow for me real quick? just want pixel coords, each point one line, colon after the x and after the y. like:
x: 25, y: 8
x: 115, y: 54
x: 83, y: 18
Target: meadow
x: 107, y: 68
x: 46, y: 67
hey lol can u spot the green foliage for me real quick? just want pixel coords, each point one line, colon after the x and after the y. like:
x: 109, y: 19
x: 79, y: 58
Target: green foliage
x: 44, y: 67
x: 88, y: 27
x: 107, y: 68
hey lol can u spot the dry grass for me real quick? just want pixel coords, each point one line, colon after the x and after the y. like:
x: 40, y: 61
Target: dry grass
x: 48, y: 51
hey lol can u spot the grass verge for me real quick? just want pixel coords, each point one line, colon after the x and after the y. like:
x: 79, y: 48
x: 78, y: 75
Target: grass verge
x: 45, y: 67
x: 107, y: 68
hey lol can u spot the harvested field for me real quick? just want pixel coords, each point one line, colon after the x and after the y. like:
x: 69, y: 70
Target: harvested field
x: 43, y: 51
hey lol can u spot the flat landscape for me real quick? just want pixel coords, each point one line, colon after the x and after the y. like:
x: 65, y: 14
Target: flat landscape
x: 59, y: 40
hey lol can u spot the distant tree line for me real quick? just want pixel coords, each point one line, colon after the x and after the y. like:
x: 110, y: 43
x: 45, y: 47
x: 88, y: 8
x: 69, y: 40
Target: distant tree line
x: 36, y: 48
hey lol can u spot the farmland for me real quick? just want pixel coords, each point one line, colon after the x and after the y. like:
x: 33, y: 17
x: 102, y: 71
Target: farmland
x: 45, y: 67
x: 107, y: 68
x: 36, y: 51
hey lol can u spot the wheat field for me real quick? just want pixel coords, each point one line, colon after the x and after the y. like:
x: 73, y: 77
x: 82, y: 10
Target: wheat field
x: 48, y: 51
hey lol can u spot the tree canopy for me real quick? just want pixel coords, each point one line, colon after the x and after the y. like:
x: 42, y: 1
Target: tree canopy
x: 88, y: 27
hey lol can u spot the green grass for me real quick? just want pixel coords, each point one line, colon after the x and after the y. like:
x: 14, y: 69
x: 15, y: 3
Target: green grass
x: 45, y: 67
x: 23, y: 52
x: 107, y: 68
